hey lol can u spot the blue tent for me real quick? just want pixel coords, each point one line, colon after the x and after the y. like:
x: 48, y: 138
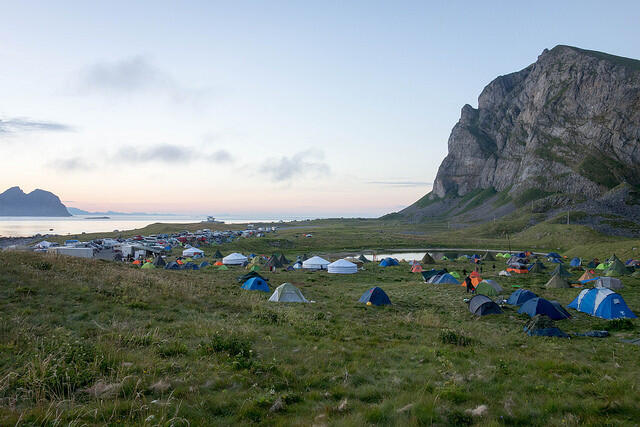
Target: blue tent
x: 521, y: 255
x: 388, y: 262
x: 520, y: 296
x: 204, y: 264
x: 172, y: 266
x: 433, y: 272
x: 602, y: 302
x: 556, y: 260
x: 444, y: 279
x: 256, y: 284
x: 375, y: 296
x: 575, y: 262
x: 190, y: 266
x: 553, y: 255
x: 542, y: 306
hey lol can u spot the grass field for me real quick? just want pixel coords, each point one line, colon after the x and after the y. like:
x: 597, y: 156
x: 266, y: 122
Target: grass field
x: 94, y: 342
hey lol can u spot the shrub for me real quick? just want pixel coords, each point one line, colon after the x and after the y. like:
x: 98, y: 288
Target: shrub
x: 455, y: 338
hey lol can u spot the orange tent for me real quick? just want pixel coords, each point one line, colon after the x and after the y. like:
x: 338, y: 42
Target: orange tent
x: 475, y: 279
x: 588, y: 275
x: 180, y: 262
x: 137, y: 262
x: 416, y: 268
x: 218, y: 263
x: 518, y: 270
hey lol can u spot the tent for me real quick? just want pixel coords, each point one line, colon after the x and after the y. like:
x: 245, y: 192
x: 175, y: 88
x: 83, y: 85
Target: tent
x: 616, y: 268
x: 388, y: 262
x: 607, y: 282
x: 283, y: 260
x: 557, y: 282
x: 252, y: 274
x: 223, y: 268
x: 204, y: 264
x: 542, y: 326
x: 147, y: 265
x: 234, y: 259
x: 587, y: 276
x: 342, y: 266
x: 287, y: 293
x: 553, y: 255
x: 489, y: 287
x: 542, y: 306
x: 256, y: 284
x: 218, y: 255
x: 172, y: 266
x: 191, y: 252
x: 504, y: 273
x: 428, y: 259
x: 481, y: 305
x: 518, y: 270
x: 363, y: 258
x: 592, y: 264
x: 444, y: 279
x: 575, y: 262
x: 159, y: 261
x: 297, y: 265
x: 417, y: 268
x: 602, y: 302
x: 455, y: 274
x: 537, y: 267
x: 315, y: 263
x: 520, y: 296
x: 488, y: 256
x: 426, y: 275
x: 190, y: 266
x: 560, y: 271
x: 375, y: 296
x: 273, y: 262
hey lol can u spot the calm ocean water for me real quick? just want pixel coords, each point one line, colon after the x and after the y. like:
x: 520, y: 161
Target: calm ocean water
x: 28, y: 226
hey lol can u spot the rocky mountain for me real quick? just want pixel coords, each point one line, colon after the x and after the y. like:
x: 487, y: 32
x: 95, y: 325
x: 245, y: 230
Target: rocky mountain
x: 563, y: 132
x: 14, y: 202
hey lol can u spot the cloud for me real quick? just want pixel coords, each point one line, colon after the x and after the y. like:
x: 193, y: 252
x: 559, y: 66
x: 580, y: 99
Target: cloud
x: 401, y: 183
x: 137, y: 75
x: 71, y: 164
x: 309, y: 162
x: 169, y: 153
x: 16, y: 125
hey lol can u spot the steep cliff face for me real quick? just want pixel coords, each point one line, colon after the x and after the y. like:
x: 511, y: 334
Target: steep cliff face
x: 14, y: 202
x: 569, y: 123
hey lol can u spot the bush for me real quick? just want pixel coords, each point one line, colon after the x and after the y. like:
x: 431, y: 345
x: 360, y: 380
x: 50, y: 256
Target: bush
x: 455, y: 338
x: 617, y: 325
x: 236, y: 347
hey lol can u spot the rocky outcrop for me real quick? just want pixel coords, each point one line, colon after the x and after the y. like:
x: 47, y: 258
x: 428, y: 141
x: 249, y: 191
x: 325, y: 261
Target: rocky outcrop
x: 14, y: 202
x: 567, y: 124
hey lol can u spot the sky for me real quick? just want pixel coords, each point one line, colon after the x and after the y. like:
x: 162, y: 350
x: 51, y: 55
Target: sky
x: 320, y: 109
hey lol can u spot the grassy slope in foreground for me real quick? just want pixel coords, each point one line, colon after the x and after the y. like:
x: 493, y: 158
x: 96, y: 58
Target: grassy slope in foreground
x: 108, y: 343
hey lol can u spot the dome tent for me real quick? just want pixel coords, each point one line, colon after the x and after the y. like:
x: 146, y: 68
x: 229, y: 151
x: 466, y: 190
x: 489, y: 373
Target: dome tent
x: 389, y: 262
x: 375, y: 296
x: 234, y: 259
x: 542, y: 306
x: 602, y: 302
x: 481, y: 305
x: 575, y: 262
x: 256, y: 284
x: 520, y: 296
x: 315, y: 263
x: 159, y: 261
x: 287, y: 293
x: 489, y: 287
x: 342, y: 266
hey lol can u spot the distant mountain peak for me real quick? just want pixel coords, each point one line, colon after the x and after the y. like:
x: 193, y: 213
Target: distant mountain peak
x: 14, y: 202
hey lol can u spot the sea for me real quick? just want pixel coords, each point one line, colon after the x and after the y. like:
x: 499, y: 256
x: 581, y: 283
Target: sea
x: 77, y: 224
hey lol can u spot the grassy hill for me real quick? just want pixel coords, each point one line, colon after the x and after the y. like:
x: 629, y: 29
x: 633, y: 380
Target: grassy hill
x: 94, y: 342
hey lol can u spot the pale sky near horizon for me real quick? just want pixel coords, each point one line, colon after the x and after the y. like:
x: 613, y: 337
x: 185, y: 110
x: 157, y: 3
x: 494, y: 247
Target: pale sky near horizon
x: 264, y: 108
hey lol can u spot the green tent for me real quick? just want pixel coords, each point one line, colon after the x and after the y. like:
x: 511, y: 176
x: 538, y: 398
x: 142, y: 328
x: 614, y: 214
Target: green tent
x: 488, y: 256
x: 557, y: 282
x: 537, y: 267
x: 428, y: 259
x: 616, y: 268
x: 148, y: 265
x: 273, y: 262
x: 601, y: 266
x: 363, y: 258
x: 287, y: 293
x: 462, y: 259
x: 218, y: 255
x: 223, y: 268
x: 283, y: 260
x: 560, y: 271
x: 444, y: 258
x: 489, y: 288
x: 255, y: 268
x: 455, y: 274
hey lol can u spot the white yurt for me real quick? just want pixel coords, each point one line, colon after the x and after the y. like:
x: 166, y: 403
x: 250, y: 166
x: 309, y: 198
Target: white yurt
x: 315, y: 263
x: 342, y: 266
x: 234, y: 259
x: 191, y: 252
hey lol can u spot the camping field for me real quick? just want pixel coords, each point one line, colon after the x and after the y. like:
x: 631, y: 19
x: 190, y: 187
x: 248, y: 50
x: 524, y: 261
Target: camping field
x: 95, y: 342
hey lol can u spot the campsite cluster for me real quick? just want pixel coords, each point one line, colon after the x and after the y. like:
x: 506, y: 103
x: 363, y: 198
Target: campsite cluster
x: 600, y: 300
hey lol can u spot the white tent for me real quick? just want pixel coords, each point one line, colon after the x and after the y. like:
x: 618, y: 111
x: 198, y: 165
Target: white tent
x: 315, y: 263
x: 191, y: 252
x: 342, y: 266
x: 43, y: 245
x: 287, y: 293
x: 297, y: 265
x: 234, y: 259
x: 609, y: 282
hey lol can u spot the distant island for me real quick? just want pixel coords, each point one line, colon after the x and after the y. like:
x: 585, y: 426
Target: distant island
x: 76, y: 211
x: 15, y: 202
